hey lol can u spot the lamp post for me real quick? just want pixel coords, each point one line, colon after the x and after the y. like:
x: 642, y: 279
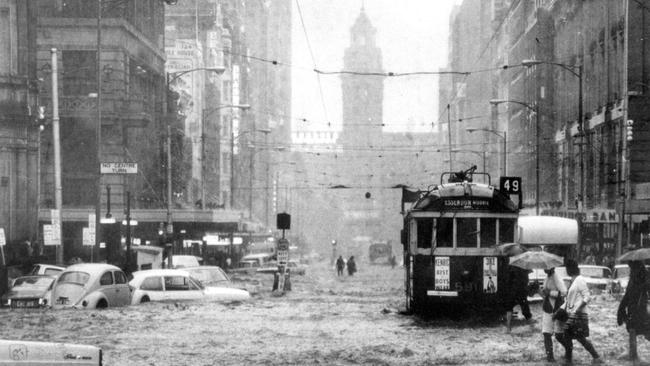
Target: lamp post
x: 575, y: 70
x: 501, y: 134
x: 205, y: 114
x: 171, y: 77
x: 535, y: 110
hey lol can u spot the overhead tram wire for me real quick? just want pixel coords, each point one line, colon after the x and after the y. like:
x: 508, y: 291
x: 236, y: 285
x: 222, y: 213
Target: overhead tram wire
x: 313, y: 58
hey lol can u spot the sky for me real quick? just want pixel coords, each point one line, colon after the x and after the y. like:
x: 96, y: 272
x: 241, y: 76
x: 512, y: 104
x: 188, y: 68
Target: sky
x: 412, y: 35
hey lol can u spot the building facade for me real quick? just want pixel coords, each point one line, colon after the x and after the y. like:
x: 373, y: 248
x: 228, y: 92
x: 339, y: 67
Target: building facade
x: 566, y: 78
x: 18, y: 115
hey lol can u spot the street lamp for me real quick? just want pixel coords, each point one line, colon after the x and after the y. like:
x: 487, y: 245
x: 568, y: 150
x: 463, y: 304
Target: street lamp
x: 535, y: 110
x: 501, y: 134
x: 171, y: 77
x: 575, y: 70
x: 206, y: 113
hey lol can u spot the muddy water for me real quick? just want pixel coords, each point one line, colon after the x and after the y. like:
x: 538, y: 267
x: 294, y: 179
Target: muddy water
x: 325, y: 320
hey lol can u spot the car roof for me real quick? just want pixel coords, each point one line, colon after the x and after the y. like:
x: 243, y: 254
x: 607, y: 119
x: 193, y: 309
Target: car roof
x: 37, y: 276
x: 161, y: 272
x: 591, y: 266
x: 91, y: 267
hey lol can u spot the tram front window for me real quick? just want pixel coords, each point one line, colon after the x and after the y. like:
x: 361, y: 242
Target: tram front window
x: 467, y: 233
x: 445, y: 233
x: 507, y: 230
x: 425, y: 232
x: 488, y: 232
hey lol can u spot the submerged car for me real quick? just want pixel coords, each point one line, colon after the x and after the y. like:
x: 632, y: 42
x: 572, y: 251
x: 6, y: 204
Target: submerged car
x: 210, y: 275
x: 621, y: 277
x: 46, y: 269
x: 598, y: 278
x: 21, y: 352
x: 182, y: 261
x: 29, y: 292
x: 177, y: 284
x: 91, y: 286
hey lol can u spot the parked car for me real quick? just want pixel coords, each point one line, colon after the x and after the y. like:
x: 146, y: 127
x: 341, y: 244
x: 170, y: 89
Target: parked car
x: 30, y: 292
x: 621, y: 277
x: 177, y: 284
x: 210, y: 275
x: 46, y: 269
x: 91, y: 286
x: 294, y: 267
x: 21, y: 352
x: 598, y: 278
x: 182, y: 261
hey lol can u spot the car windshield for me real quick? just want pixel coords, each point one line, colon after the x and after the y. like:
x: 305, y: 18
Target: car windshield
x: 79, y: 278
x: 33, y: 282
x: 208, y: 275
x: 595, y: 272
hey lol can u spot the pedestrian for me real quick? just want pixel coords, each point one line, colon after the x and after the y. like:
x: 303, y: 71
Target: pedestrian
x: 340, y: 264
x: 633, y: 307
x: 352, y: 266
x: 553, y: 292
x: 577, y: 324
x: 517, y: 294
x: 393, y: 261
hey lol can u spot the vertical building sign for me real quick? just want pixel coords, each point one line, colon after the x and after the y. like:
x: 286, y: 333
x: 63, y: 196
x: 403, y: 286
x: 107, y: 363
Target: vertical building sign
x: 490, y: 275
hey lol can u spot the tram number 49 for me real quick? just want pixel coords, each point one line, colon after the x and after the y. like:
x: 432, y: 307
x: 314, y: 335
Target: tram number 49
x: 510, y: 185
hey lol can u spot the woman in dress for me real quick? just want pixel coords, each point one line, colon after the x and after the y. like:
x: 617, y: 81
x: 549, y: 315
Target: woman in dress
x: 633, y: 307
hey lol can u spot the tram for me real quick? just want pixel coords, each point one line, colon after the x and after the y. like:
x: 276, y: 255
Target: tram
x: 451, y: 236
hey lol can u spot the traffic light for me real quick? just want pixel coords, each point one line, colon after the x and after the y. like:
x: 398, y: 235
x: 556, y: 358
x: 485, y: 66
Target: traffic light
x: 628, y: 130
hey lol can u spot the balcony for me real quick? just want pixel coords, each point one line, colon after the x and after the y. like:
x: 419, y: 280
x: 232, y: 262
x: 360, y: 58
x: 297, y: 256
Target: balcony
x: 134, y: 109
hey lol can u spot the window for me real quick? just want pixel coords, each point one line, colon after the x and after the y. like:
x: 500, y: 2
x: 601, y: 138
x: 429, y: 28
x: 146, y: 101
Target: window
x: 78, y: 76
x: 488, y: 232
x: 120, y: 277
x: 152, y: 284
x: 467, y: 233
x: 506, y: 230
x: 6, y: 40
x: 424, y: 232
x: 106, y: 279
x: 445, y: 233
x: 176, y: 283
x: 79, y: 278
x: 52, y: 271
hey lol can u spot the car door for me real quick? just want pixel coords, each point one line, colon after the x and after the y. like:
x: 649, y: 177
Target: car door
x: 177, y: 287
x: 122, y: 290
x: 152, y: 286
x: 107, y: 287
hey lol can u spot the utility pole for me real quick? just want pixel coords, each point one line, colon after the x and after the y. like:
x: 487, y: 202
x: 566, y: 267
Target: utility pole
x: 58, y: 199
x: 98, y: 129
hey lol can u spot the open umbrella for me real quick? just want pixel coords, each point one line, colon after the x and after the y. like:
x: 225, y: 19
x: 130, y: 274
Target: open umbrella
x: 635, y: 255
x: 536, y: 260
x: 511, y: 249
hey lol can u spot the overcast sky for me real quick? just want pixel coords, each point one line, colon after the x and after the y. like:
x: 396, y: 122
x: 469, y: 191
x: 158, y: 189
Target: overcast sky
x: 412, y: 35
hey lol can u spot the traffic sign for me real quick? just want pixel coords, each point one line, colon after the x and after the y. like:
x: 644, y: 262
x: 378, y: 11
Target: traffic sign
x: 510, y: 185
x: 49, y: 238
x: 88, y: 237
x: 119, y: 168
x: 3, y: 241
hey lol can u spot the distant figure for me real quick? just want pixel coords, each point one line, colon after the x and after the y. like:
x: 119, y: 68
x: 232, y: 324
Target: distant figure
x: 590, y: 259
x: 228, y: 262
x: 632, y: 310
x: 340, y: 264
x: 393, y: 261
x: 352, y: 266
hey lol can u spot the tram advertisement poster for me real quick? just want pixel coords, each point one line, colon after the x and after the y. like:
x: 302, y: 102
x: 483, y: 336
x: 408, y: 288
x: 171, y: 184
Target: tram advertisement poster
x: 441, y: 279
x: 490, y: 274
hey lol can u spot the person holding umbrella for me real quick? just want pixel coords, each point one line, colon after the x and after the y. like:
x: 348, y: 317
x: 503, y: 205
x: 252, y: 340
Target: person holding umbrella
x: 552, y: 292
x: 633, y: 307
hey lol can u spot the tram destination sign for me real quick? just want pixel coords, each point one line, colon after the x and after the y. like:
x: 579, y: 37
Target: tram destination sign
x: 466, y: 203
x: 119, y: 168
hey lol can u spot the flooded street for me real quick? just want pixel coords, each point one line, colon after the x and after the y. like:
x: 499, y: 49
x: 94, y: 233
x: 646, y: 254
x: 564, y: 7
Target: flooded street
x: 325, y: 320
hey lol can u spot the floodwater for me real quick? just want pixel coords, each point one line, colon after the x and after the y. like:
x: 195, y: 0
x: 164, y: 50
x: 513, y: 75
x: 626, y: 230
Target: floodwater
x: 324, y: 320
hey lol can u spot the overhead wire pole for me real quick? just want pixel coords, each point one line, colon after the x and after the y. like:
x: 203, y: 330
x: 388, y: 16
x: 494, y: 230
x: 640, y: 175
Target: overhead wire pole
x: 98, y: 129
x: 58, y: 200
x: 449, y: 135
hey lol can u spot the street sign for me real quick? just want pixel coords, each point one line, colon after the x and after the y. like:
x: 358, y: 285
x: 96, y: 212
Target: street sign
x: 119, y: 168
x: 88, y: 237
x: 3, y: 240
x: 510, y: 185
x: 49, y: 237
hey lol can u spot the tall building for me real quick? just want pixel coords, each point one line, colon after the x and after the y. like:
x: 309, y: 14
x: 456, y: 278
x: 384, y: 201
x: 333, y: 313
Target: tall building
x: 131, y: 96
x: 567, y: 77
x: 18, y: 114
